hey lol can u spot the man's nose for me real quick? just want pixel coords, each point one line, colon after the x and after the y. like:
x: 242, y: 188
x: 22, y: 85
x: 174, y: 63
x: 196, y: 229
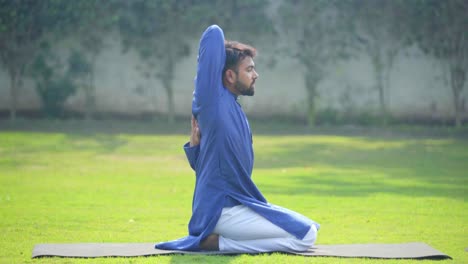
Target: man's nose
x: 256, y: 75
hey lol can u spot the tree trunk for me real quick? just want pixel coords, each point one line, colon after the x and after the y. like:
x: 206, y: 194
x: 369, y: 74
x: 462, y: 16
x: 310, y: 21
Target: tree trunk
x: 383, y: 107
x: 387, y: 94
x: 167, y: 79
x: 311, y: 112
x: 379, y: 79
x: 170, y: 103
x: 457, y: 78
x: 167, y: 84
x: 90, y: 92
x: 311, y: 88
x: 15, y: 78
x: 390, y: 59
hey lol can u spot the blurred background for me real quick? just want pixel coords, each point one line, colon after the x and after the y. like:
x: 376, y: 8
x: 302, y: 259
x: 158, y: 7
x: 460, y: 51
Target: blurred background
x: 338, y: 62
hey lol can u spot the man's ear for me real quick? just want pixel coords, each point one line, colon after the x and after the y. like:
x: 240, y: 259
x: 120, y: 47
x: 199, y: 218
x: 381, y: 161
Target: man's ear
x: 230, y: 76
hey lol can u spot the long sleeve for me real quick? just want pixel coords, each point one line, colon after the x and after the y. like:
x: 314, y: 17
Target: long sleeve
x: 211, y: 58
x: 192, y: 154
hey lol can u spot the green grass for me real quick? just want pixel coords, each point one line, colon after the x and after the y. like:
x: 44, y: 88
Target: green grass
x: 66, y: 187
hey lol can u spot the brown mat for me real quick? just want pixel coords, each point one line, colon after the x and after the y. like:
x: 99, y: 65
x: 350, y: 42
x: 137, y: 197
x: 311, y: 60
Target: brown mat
x: 384, y: 251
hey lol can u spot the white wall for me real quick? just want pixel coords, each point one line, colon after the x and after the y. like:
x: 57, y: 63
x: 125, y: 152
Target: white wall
x: 417, y: 88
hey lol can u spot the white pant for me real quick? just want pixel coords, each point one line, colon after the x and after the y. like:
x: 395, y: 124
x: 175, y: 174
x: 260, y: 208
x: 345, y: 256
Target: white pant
x: 241, y: 230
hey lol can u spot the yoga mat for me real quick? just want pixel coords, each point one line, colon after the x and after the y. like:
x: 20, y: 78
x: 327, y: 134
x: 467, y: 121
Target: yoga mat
x: 384, y: 251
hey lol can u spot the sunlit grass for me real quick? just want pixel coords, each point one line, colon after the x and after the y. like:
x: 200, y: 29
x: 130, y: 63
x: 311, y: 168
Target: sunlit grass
x: 92, y: 187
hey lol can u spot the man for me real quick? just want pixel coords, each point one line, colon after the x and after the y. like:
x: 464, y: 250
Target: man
x: 228, y: 212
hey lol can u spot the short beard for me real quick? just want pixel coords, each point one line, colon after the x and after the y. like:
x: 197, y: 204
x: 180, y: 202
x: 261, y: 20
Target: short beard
x: 244, y: 89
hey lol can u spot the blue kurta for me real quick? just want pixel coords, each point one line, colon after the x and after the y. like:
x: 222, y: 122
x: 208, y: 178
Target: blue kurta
x: 223, y: 161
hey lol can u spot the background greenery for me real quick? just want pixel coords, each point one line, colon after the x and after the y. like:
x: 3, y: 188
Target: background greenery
x: 70, y: 182
x: 58, y: 42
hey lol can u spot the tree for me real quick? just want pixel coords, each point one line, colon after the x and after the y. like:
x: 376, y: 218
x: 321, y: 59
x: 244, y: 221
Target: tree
x: 317, y: 36
x: 54, y: 80
x: 440, y: 30
x: 162, y: 31
x: 97, y: 20
x: 380, y: 31
x: 248, y: 20
x: 24, y: 24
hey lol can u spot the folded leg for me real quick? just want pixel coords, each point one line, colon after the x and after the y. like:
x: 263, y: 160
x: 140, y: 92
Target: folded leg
x: 241, y: 230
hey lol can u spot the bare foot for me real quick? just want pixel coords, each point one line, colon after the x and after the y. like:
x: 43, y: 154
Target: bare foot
x: 210, y: 243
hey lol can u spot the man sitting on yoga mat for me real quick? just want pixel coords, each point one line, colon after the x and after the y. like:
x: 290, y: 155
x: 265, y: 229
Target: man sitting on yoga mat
x: 228, y: 212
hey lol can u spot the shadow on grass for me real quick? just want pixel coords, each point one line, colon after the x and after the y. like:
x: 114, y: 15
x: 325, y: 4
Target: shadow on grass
x: 350, y: 166
x: 100, y: 144
x: 90, y: 127
x: 40, y: 143
x: 327, y: 187
x: 412, y: 168
x: 181, y: 126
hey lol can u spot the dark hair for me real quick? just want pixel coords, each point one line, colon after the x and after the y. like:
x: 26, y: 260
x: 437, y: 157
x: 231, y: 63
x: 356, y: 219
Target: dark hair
x: 235, y: 53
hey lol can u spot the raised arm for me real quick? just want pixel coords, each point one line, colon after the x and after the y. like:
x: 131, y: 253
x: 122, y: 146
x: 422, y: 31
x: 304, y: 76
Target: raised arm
x: 211, y: 58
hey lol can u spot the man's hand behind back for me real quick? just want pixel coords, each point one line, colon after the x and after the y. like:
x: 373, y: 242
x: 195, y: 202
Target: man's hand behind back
x: 195, y: 134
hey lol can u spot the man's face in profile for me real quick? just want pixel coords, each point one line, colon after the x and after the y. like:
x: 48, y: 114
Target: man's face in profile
x: 246, y: 77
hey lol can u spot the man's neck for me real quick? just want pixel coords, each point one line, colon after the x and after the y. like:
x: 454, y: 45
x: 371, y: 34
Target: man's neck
x: 231, y: 88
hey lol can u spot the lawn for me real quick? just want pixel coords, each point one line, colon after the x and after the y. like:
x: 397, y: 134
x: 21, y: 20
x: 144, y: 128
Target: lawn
x: 91, y: 186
